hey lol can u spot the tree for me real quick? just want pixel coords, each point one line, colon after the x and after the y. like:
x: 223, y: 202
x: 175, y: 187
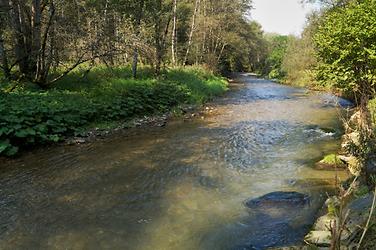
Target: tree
x: 3, y: 55
x: 193, y: 28
x: 43, y: 41
x: 300, y: 59
x: 173, y: 35
x: 345, y: 42
x: 137, y: 27
x: 277, y: 45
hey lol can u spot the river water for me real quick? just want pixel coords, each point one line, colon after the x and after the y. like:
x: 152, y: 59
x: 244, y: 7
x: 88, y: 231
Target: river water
x: 183, y: 186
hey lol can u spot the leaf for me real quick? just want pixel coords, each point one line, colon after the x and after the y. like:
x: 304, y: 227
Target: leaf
x: 3, y: 130
x: 25, y: 132
x: 4, y: 145
x: 54, y: 138
x: 12, y: 150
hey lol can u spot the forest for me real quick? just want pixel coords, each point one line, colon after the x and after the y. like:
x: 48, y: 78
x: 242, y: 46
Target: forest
x: 68, y: 64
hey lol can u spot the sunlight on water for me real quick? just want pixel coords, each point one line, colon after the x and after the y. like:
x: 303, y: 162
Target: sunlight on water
x: 179, y: 187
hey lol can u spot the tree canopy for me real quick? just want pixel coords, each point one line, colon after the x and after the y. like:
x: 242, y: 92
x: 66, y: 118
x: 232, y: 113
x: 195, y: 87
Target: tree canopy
x: 345, y: 43
x: 42, y: 41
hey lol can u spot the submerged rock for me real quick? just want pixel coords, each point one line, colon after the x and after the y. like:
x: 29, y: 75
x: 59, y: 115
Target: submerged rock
x: 279, y: 199
x: 292, y: 248
x: 331, y: 101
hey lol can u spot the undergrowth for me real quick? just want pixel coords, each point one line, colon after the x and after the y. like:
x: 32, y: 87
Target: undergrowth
x: 31, y: 116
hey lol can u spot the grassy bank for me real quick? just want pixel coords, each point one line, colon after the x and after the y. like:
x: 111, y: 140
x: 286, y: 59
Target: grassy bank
x: 30, y: 116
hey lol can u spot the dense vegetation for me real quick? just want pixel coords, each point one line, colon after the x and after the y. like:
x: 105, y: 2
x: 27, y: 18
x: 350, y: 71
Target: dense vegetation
x: 335, y: 51
x: 277, y: 46
x: 34, y: 116
x: 67, y: 64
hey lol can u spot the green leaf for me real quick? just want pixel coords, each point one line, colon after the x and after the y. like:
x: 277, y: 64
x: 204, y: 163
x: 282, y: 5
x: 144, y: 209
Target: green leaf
x: 25, y: 132
x: 12, y: 150
x: 4, y: 145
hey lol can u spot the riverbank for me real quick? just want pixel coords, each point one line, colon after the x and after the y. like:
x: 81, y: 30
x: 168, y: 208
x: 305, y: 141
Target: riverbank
x: 101, y: 99
x: 350, y: 221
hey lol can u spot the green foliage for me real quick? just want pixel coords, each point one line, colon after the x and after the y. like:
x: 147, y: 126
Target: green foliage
x: 345, y: 42
x: 299, y: 60
x: 277, y: 50
x: 33, y: 117
x: 246, y: 49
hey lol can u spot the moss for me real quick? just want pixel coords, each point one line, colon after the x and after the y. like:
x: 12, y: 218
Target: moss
x: 331, y: 159
x: 330, y: 162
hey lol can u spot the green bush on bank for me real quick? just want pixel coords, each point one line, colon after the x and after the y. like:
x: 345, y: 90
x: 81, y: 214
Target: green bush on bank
x: 29, y: 116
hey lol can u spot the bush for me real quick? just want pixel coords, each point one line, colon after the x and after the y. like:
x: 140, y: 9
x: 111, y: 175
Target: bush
x: 33, y: 117
x: 345, y: 42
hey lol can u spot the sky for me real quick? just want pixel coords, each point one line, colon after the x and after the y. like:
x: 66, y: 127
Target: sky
x: 280, y: 16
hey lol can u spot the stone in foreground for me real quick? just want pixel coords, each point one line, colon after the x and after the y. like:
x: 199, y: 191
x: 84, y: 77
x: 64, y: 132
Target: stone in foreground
x: 279, y: 199
x: 319, y: 238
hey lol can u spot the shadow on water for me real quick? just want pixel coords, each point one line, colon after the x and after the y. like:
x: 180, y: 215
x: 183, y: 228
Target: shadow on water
x: 93, y: 203
x: 179, y: 187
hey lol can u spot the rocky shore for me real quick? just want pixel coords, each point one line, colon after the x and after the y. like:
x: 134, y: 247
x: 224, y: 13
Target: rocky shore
x: 349, y: 212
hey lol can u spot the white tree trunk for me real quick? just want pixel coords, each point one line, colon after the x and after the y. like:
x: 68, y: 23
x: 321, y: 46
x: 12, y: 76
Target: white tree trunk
x: 193, y: 27
x: 173, y: 39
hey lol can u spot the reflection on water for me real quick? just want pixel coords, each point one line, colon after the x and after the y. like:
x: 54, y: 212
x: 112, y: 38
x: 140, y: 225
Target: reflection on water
x: 179, y: 187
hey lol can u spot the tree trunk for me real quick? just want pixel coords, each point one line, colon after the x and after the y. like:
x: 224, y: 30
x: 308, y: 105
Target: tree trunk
x: 158, y: 36
x: 47, y: 60
x: 20, y: 46
x: 173, y: 40
x: 193, y: 27
x: 36, y: 60
x: 203, y: 49
x: 138, y: 30
x: 3, y: 54
x: 221, y: 53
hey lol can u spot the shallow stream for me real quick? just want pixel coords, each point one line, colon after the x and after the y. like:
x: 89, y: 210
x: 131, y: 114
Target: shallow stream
x: 183, y: 186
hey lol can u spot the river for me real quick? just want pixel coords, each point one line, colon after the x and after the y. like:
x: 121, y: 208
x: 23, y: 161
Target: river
x: 183, y: 186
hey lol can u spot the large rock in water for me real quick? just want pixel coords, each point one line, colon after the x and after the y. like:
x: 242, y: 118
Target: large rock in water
x: 279, y: 199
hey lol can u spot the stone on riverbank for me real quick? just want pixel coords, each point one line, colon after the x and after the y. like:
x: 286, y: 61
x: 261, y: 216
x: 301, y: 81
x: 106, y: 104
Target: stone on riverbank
x: 370, y: 166
x: 330, y: 162
x: 358, y: 212
x: 324, y: 222
x: 319, y: 238
x: 351, y: 139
